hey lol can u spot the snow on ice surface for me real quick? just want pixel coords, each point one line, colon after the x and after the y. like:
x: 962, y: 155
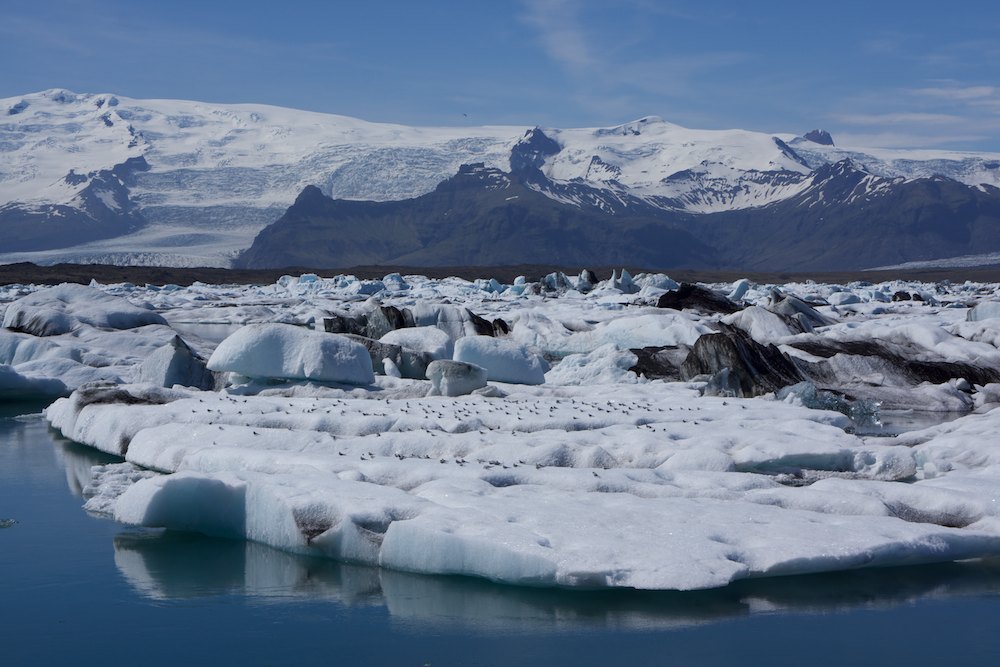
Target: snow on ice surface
x: 595, y: 478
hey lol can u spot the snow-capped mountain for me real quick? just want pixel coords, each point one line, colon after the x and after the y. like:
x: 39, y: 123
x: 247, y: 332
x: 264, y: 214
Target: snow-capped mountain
x: 217, y: 174
x: 104, y: 178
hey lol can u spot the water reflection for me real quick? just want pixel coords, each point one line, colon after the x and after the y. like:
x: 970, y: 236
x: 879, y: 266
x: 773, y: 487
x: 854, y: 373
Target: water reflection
x: 79, y: 461
x: 169, y: 565
x: 164, y: 565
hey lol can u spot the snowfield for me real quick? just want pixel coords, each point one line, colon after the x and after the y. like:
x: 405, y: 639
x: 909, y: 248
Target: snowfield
x: 208, y: 177
x: 572, y: 434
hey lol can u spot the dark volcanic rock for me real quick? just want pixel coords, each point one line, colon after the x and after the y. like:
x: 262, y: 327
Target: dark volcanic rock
x: 842, y: 217
x: 342, y: 324
x: 378, y: 351
x: 384, y: 319
x: 821, y: 137
x: 881, y: 359
x: 373, y: 324
x: 481, y: 216
x: 659, y: 363
x: 739, y: 364
x: 694, y: 297
x: 528, y: 154
x: 848, y: 218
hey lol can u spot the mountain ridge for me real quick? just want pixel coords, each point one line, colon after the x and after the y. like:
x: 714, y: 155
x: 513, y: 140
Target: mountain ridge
x: 216, y: 175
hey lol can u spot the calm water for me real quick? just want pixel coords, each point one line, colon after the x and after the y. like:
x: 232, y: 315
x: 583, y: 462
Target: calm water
x: 76, y: 589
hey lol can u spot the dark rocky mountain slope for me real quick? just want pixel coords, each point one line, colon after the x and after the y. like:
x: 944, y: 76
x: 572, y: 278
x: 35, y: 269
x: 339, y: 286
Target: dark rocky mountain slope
x: 844, y: 218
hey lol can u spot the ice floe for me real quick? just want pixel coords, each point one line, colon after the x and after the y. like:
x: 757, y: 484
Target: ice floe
x: 560, y: 433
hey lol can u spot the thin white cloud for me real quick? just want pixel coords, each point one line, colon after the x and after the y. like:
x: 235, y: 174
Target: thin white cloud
x: 600, y: 79
x: 560, y: 32
x: 963, y: 93
x: 897, y: 118
x: 905, y: 140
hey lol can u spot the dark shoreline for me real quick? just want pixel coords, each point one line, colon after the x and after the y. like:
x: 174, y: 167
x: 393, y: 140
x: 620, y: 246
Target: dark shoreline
x: 28, y: 273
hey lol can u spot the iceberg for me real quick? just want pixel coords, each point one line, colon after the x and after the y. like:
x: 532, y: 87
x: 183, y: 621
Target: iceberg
x: 64, y: 308
x: 504, y: 360
x: 580, y: 475
x: 14, y: 386
x: 287, y: 352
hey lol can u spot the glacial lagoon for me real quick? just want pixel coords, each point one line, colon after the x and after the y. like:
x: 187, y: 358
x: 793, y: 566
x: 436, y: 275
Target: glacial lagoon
x: 79, y: 589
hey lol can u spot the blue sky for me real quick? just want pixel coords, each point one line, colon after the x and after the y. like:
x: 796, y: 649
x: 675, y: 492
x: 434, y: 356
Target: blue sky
x: 879, y: 73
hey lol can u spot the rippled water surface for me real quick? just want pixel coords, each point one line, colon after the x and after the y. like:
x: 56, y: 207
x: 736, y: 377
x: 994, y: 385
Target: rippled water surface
x: 82, y: 590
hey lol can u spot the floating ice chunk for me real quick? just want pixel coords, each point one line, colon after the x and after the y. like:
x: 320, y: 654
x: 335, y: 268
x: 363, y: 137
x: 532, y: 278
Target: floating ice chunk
x: 740, y: 289
x: 390, y: 369
x: 985, y: 310
x: 763, y: 325
x: 210, y: 505
x: 491, y: 285
x: 395, y: 283
x: 658, y: 281
x: 652, y: 330
x: 378, y: 351
x: 431, y: 340
x: 71, y: 373
x: 843, y: 299
x: 365, y: 287
x: 64, y: 308
x: 455, y: 378
x: 108, y: 482
x: 456, y: 322
x: 176, y: 363
x: 792, y: 306
x: 568, y: 489
x: 504, y: 360
x: 107, y: 417
x: 14, y: 386
x: 19, y: 348
x: 284, y: 351
x: 605, y: 365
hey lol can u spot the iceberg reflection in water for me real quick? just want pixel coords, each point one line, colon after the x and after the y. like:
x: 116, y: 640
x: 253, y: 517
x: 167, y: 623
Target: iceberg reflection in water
x: 71, y: 580
x: 170, y: 565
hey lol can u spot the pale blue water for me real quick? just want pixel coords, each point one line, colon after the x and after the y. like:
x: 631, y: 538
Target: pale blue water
x: 80, y: 590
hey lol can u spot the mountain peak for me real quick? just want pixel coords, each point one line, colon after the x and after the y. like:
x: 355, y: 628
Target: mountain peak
x: 309, y: 194
x: 634, y: 128
x: 821, y: 137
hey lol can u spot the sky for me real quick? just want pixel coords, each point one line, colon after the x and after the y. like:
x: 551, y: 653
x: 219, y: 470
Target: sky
x: 888, y: 73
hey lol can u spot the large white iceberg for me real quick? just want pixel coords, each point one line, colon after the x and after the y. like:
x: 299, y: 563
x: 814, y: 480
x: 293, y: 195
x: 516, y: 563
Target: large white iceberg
x: 64, y: 308
x: 504, y: 360
x: 284, y: 351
